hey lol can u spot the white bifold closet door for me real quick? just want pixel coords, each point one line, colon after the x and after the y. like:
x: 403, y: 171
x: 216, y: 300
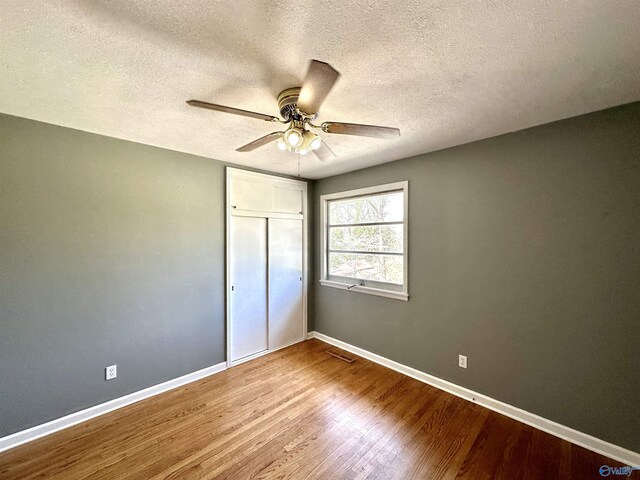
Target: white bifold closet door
x: 285, y: 282
x: 248, y: 275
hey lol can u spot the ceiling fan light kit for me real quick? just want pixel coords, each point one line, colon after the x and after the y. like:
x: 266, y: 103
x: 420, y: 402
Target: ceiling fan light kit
x: 299, y: 106
x: 298, y: 140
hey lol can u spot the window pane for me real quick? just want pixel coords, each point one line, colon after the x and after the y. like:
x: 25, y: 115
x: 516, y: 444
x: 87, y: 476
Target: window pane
x: 380, y: 268
x: 385, y: 207
x: 372, y: 238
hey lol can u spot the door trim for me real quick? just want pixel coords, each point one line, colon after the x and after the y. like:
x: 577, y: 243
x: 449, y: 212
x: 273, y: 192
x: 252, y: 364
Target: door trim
x: 261, y: 177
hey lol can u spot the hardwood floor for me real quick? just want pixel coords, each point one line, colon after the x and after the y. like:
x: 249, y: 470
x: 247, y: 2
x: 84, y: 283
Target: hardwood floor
x: 300, y: 413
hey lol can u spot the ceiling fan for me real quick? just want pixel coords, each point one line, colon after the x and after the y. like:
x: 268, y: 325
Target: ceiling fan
x: 299, y: 106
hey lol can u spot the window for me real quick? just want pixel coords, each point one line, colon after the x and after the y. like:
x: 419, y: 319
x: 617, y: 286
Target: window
x: 364, y: 244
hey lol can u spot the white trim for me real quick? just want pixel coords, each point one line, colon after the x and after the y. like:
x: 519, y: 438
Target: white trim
x: 324, y: 278
x: 227, y: 270
x: 360, y: 192
x: 266, y: 352
x: 266, y: 176
x: 255, y: 213
x: 362, y: 289
x: 33, y: 433
x: 305, y: 259
x: 589, y: 442
x: 229, y: 213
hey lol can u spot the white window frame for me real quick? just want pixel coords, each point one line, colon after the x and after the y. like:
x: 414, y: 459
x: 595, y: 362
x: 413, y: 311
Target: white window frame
x: 379, y: 289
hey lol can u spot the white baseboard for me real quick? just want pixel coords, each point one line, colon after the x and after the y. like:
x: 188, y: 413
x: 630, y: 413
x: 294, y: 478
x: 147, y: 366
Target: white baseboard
x: 24, y: 436
x: 589, y: 442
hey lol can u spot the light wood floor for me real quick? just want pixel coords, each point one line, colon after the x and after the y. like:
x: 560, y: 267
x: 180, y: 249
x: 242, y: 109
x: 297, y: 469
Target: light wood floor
x: 300, y: 413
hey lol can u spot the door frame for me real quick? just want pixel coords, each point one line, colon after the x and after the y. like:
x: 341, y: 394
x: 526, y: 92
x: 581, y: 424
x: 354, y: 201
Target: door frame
x: 266, y: 178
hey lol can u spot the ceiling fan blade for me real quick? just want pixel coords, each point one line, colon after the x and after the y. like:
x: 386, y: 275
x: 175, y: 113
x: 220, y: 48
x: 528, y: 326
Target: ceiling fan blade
x: 324, y: 153
x: 320, y: 79
x: 270, y: 137
x: 360, y: 130
x: 235, y: 111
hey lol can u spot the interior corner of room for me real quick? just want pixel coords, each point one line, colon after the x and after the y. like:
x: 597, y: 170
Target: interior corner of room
x: 431, y: 292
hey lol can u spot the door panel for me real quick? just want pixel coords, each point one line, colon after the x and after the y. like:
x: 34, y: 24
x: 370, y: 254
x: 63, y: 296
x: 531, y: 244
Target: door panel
x: 251, y: 195
x: 248, y: 274
x: 287, y: 199
x: 285, y: 282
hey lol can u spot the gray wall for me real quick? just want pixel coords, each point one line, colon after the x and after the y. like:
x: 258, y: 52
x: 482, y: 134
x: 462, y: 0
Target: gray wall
x: 524, y: 256
x: 110, y: 252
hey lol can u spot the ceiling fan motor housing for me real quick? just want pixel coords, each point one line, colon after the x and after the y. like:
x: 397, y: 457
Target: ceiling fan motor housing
x: 288, y: 104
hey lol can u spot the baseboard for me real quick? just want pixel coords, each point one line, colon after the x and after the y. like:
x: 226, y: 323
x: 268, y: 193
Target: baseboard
x: 589, y: 442
x: 48, y: 428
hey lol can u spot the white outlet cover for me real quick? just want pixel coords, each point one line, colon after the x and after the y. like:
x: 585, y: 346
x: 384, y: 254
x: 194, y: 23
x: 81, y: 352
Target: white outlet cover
x: 111, y: 372
x: 462, y: 361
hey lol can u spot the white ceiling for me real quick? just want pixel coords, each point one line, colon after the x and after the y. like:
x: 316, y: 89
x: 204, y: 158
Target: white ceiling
x: 444, y: 72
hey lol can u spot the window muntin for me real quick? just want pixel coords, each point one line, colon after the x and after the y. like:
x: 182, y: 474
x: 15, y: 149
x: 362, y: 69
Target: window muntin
x: 365, y: 242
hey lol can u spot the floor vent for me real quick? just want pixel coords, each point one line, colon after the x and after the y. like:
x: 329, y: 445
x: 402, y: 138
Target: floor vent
x: 341, y: 357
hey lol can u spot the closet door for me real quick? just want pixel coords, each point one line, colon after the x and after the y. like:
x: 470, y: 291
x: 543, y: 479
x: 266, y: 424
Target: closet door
x: 248, y: 275
x: 285, y: 282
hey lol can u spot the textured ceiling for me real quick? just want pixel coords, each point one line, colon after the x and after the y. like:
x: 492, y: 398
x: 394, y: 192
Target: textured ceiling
x: 444, y: 72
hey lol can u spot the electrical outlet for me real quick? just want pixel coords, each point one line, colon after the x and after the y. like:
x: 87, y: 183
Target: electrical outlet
x: 462, y: 361
x: 111, y: 372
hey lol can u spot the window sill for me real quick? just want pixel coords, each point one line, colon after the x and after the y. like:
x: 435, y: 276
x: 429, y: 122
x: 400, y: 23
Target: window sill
x: 368, y: 290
